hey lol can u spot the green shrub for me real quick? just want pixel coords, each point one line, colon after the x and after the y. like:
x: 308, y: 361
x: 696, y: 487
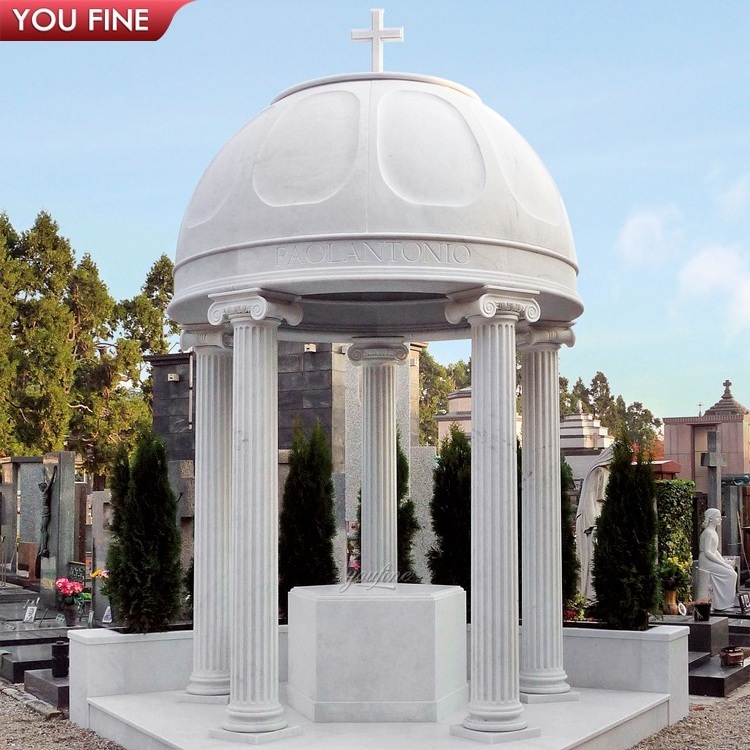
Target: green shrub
x: 674, y: 511
x: 450, y: 559
x: 406, y: 520
x: 625, y: 575
x: 570, y: 565
x: 307, y: 524
x: 143, y: 563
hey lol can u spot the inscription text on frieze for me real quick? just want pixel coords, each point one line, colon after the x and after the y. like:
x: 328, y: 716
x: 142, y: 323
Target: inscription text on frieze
x: 373, y: 252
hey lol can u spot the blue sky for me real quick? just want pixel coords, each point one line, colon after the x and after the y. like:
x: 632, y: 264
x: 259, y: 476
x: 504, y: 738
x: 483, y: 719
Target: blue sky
x: 640, y: 110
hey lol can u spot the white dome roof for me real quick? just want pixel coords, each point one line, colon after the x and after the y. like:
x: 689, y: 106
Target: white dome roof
x: 381, y: 193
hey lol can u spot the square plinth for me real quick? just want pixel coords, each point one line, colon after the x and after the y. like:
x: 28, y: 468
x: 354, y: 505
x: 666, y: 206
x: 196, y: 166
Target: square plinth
x: 367, y: 652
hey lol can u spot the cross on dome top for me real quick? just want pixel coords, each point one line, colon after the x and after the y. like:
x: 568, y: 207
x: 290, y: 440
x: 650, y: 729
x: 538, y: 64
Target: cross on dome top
x: 377, y: 35
x: 726, y: 385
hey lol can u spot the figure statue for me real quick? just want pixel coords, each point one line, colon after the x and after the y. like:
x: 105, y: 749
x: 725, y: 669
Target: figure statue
x: 717, y: 578
x: 46, y: 489
x: 589, y: 507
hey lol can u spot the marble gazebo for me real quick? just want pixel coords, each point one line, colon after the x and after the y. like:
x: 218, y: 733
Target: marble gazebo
x: 376, y: 209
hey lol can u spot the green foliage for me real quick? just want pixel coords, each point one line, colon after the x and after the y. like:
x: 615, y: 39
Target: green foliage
x: 406, y: 522
x: 436, y: 383
x: 307, y: 524
x: 42, y: 359
x: 450, y: 559
x: 624, y: 562
x: 68, y: 352
x: 570, y: 565
x: 674, y: 510
x: 145, y: 580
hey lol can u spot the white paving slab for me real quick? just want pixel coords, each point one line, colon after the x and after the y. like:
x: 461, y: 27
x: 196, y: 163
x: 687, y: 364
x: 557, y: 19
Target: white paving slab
x: 600, y: 720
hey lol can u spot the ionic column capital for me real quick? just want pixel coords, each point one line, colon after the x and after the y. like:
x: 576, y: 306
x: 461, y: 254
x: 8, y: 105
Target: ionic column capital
x: 378, y: 351
x: 197, y: 336
x: 256, y: 305
x: 488, y: 302
x: 551, y: 336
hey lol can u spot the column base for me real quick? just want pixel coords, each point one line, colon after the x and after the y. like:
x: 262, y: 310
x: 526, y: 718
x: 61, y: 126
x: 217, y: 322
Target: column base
x: 208, y: 687
x: 255, y: 738
x: 494, y: 738
x: 571, y: 695
x: 204, y: 699
x: 543, y: 682
x: 243, y: 718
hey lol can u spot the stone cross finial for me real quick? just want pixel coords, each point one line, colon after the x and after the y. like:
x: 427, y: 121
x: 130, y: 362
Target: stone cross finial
x: 726, y: 385
x: 377, y: 35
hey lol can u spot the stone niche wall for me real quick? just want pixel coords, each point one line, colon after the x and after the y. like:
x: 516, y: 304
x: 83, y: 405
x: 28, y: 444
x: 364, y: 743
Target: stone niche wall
x: 312, y: 387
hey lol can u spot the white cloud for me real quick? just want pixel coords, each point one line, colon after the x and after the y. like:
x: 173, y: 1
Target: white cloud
x: 736, y: 197
x: 650, y: 237
x: 723, y: 273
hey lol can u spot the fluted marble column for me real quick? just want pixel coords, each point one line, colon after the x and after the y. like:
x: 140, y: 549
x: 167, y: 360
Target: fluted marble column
x: 213, y: 422
x: 494, y: 705
x: 378, y: 359
x: 254, y: 705
x: 542, y: 677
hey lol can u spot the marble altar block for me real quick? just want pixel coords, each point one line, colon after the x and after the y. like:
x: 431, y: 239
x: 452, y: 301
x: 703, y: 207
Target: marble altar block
x: 376, y: 652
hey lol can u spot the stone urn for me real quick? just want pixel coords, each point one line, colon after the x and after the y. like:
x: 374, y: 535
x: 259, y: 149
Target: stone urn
x: 670, y: 602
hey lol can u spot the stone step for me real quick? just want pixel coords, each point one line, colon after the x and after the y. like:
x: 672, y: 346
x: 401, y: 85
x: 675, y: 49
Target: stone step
x: 53, y: 690
x: 17, y: 659
x: 711, y: 678
x: 32, y: 636
x: 696, y: 658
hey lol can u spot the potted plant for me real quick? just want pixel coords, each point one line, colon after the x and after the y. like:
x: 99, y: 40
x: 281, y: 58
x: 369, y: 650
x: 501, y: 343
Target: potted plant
x: 674, y: 575
x: 71, y: 596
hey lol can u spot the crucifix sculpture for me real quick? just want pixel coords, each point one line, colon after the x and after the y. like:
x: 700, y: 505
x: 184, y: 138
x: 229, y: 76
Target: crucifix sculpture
x: 377, y: 35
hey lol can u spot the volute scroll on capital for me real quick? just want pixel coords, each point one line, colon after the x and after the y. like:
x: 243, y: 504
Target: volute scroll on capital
x: 549, y: 335
x: 378, y: 351
x: 195, y: 337
x: 491, y: 303
x: 255, y: 304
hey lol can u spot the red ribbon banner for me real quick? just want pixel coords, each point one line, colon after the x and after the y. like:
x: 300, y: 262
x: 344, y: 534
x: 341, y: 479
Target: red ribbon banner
x: 86, y: 20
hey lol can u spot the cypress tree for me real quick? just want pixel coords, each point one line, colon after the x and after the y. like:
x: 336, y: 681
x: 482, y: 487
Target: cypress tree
x: 406, y: 520
x: 625, y: 575
x: 307, y: 524
x: 570, y: 564
x: 450, y: 559
x: 145, y: 580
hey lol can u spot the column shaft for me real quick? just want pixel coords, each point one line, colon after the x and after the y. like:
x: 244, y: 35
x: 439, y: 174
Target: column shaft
x: 254, y: 705
x: 378, y: 532
x: 213, y: 421
x: 494, y: 704
x: 541, y: 669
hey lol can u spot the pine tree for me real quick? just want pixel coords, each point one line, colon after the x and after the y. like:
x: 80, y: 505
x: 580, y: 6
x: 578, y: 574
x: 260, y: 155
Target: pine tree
x: 406, y: 521
x: 145, y: 580
x: 307, y: 524
x: 42, y: 358
x: 624, y: 562
x: 450, y: 559
x: 9, y: 273
x: 570, y: 564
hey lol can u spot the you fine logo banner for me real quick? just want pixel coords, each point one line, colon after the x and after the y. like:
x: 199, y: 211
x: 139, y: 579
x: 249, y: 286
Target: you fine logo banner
x: 86, y: 20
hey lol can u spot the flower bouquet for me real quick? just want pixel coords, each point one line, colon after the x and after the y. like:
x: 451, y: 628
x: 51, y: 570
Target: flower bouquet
x: 71, y: 596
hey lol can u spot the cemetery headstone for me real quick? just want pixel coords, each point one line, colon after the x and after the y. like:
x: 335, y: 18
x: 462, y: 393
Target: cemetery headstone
x: 57, y: 532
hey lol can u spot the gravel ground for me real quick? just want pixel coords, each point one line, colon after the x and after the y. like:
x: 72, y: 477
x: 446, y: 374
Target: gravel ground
x: 23, y: 728
x: 714, y: 725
